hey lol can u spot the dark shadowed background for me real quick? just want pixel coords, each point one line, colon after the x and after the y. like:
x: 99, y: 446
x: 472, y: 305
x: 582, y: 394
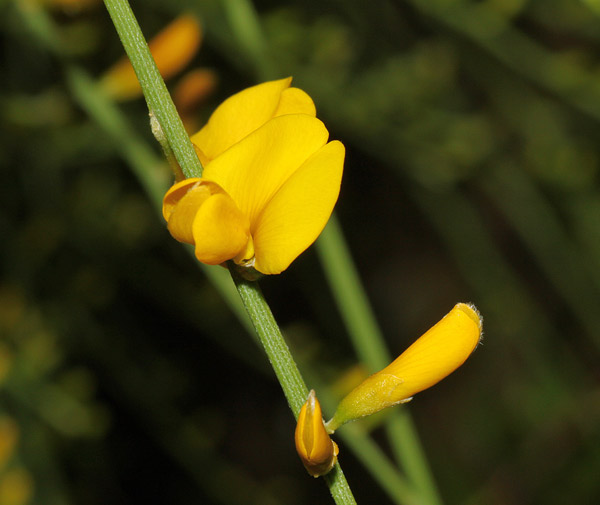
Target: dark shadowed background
x: 472, y: 132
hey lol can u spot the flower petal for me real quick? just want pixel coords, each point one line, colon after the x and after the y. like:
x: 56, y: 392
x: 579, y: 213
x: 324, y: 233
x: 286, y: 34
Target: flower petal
x: 297, y: 214
x: 439, y: 352
x: 180, y: 205
x: 220, y: 230
x: 175, y: 193
x: 435, y: 355
x: 200, y: 212
x: 295, y: 101
x: 253, y: 170
x: 238, y: 116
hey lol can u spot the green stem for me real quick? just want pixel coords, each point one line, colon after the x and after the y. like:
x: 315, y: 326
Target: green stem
x: 246, y: 28
x: 368, y: 342
x: 270, y: 336
x: 350, y: 297
x: 145, y: 163
x: 285, y: 368
x: 157, y: 97
x: 382, y: 469
x: 148, y: 169
x: 161, y: 106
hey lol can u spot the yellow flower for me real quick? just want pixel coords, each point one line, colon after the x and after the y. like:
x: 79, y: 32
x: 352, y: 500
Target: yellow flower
x: 9, y: 435
x: 270, y: 181
x: 313, y: 444
x: 432, y: 357
x: 16, y: 487
x: 172, y: 49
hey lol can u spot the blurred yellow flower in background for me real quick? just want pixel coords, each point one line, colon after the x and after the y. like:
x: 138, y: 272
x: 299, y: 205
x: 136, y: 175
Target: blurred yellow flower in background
x: 16, y: 482
x: 172, y: 49
x: 190, y: 92
x: 16, y: 487
x: 9, y: 435
x: 270, y: 181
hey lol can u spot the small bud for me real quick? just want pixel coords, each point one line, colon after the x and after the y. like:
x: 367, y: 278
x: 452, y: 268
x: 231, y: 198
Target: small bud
x: 435, y: 355
x: 315, y: 448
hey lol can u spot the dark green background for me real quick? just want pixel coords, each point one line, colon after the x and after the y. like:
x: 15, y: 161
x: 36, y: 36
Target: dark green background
x: 472, y: 134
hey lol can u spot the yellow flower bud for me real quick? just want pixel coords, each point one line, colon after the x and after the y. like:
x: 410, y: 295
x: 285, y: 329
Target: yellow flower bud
x: 315, y: 448
x: 432, y: 357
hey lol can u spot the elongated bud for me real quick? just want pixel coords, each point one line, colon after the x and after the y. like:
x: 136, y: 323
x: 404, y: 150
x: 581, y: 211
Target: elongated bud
x: 432, y: 357
x: 315, y: 448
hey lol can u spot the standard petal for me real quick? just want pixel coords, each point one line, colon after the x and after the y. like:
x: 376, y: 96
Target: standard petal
x: 253, y: 170
x: 238, y: 116
x: 297, y: 214
x: 295, y: 101
x: 220, y: 230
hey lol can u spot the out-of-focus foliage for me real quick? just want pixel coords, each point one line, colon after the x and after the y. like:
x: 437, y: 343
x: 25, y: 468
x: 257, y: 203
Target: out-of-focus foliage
x: 473, y: 154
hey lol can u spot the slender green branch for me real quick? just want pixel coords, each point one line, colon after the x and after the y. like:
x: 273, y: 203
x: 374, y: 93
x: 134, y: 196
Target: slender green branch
x: 148, y: 167
x: 377, y: 463
x: 351, y: 299
x: 369, y: 344
x: 382, y: 469
x: 345, y: 283
x: 270, y: 336
x: 486, y: 28
x: 285, y: 368
x: 245, y: 25
x: 162, y: 108
x: 158, y: 98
